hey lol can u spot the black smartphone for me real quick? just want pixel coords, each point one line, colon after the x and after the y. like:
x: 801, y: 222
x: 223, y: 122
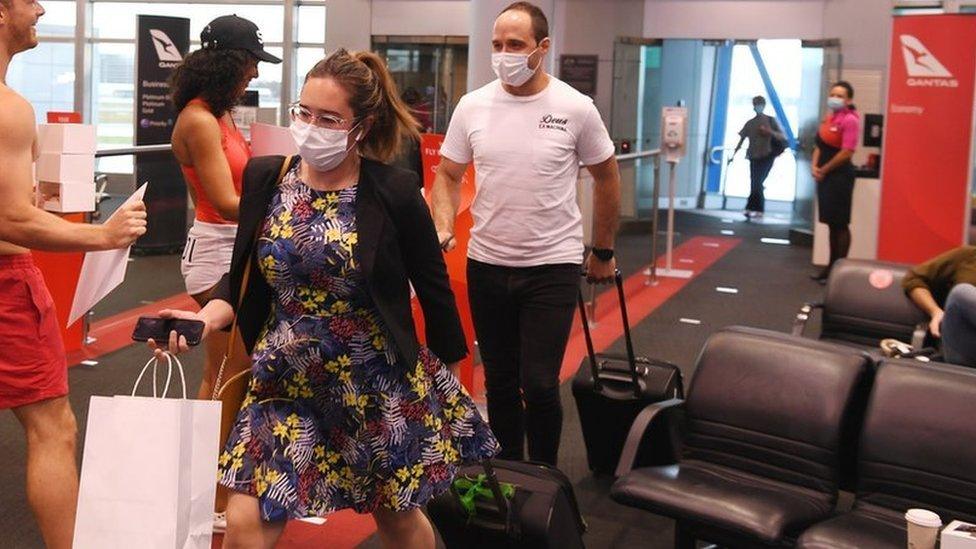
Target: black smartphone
x: 158, y: 329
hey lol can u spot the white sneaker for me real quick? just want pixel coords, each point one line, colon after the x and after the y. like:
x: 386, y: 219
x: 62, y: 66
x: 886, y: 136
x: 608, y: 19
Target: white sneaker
x: 220, y: 523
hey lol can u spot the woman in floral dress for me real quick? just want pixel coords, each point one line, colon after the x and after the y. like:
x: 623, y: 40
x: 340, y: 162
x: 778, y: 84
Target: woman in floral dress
x: 345, y: 410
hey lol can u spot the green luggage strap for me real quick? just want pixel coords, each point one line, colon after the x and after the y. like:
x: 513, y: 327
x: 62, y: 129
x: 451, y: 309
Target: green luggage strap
x: 469, y: 490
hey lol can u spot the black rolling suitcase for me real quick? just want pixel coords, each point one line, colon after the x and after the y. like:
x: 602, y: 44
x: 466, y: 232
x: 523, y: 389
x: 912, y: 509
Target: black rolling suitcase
x: 611, y: 389
x: 539, y: 509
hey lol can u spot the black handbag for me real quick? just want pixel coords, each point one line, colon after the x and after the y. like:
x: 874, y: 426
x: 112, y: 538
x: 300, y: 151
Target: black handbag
x: 777, y: 145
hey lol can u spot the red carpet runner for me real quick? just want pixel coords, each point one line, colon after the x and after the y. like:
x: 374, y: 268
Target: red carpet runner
x: 346, y: 529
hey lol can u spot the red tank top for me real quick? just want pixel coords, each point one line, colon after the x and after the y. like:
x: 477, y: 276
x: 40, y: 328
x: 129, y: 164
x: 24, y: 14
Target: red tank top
x: 237, y: 152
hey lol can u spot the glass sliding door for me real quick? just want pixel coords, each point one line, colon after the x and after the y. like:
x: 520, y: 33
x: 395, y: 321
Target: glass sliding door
x: 431, y: 73
x: 717, y: 80
x: 782, y: 61
x: 820, y: 66
x: 635, y: 117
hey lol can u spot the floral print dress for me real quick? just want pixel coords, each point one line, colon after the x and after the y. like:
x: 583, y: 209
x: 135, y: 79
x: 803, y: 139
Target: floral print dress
x: 332, y: 418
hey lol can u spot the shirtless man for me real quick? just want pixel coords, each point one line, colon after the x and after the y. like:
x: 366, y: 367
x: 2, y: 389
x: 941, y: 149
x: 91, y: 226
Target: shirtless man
x: 33, y: 369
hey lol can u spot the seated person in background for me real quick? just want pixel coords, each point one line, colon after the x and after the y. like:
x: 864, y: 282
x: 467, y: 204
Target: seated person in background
x: 948, y: 280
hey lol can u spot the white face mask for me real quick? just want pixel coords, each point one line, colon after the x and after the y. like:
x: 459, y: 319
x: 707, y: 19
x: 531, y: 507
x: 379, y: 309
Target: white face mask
x: 513, y: 68
x: 322, y: 148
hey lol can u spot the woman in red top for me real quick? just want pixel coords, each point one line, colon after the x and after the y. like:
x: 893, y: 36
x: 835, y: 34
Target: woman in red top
x: 212, y: 154
x: 834, y: 172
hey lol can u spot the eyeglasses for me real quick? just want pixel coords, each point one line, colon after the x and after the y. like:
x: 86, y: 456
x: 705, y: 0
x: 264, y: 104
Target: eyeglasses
x: 301, y: 112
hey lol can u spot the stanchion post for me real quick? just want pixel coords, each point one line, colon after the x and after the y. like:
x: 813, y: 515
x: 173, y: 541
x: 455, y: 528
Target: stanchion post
x: 672, y: 190
x: 656, y: 199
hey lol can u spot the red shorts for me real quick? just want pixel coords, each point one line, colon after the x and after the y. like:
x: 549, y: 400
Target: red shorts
x: 32, y: 359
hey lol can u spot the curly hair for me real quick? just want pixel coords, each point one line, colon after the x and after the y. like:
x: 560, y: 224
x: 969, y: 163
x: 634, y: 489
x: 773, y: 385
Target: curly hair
x: 212, y: 75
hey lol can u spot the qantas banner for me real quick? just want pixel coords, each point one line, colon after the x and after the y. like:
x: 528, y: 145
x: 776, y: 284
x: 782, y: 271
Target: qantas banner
x: 456, y: 259
x: 928, y: 137
x: 161, y: 44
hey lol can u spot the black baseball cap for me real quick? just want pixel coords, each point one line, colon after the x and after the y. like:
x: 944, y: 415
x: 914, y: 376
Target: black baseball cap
x: 230, y: 32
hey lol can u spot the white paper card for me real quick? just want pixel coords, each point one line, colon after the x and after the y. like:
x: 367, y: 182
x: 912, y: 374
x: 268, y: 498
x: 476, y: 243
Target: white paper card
x: 101, y: 272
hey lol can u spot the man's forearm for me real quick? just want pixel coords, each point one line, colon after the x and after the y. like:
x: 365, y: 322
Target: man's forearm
x: 606, y: 211
x: 738, y: 146
x: 39, y: 230
x: 445, y: 199
x: 922, y: 297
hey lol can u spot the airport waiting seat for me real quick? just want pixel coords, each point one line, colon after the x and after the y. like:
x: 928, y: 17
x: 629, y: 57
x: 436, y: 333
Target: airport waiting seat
x: 864, y: 304
x: 918, y: 449
x: 760, y: 440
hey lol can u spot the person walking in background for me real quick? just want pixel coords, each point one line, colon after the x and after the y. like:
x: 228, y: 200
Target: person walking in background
x: 944, y: 287
x: 834, y: 172
x: 527, y: 133
x: 212, y: 153
x: 33, y: 367
x: 345, y: 409
x: 761, y: 131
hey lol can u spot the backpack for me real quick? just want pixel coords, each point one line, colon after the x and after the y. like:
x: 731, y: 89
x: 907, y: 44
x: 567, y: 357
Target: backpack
x: 777, y: 145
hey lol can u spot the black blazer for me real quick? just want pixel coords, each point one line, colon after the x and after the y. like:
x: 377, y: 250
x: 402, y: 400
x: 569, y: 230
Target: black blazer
x: 397, y: 242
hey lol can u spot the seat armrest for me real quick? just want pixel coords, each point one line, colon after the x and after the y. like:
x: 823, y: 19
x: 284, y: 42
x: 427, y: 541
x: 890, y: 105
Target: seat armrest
x: 802, y: 316
x: 638, y: 429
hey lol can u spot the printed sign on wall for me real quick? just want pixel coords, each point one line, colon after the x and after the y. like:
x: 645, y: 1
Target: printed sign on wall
x: 928, y: 137
x: 579, y: 71
x: 161, y: 43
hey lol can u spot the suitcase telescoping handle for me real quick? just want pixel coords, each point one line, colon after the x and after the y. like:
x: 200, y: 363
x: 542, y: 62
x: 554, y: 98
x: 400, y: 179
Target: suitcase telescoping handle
x: 495, y: 487
x: 631, y: 359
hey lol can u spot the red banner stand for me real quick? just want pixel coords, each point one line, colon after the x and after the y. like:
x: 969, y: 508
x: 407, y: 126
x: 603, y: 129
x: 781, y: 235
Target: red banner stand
x: 925, y: 176
x: 61, y: 272
x: 457, y: 258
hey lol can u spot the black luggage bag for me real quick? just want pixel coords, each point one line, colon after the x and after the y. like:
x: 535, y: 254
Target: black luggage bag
x: 611, y: 389
x: 541, y: 513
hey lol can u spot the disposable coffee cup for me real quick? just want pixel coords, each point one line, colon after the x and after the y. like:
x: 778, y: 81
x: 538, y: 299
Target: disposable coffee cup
x: 923, y: 528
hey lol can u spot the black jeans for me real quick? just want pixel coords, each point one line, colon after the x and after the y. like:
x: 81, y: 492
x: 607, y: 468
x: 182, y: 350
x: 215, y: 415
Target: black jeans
x: 758, y: 171
x: 522, y: 318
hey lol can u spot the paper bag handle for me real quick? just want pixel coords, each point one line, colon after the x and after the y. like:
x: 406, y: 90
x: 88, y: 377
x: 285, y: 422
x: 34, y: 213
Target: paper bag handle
x: 154, y: 362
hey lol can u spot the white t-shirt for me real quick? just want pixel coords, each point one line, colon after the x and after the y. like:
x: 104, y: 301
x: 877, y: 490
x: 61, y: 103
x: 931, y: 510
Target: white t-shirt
x: 526, y: 153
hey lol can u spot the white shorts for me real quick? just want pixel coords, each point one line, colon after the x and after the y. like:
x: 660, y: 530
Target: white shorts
x: 206, y: 256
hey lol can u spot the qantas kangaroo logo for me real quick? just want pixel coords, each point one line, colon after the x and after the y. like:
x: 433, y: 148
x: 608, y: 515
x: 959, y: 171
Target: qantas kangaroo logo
x: 924, y: 69
x: 165, y: 48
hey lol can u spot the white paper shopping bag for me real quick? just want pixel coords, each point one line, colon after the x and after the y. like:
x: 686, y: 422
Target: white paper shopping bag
x: 148, y: 476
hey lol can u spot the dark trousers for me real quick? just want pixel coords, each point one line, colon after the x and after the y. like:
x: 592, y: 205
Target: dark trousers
x: 522, y: 318
x: 758, y: 171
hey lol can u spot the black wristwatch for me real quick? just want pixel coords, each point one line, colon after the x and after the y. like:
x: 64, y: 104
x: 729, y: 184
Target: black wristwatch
x: 603, y: 254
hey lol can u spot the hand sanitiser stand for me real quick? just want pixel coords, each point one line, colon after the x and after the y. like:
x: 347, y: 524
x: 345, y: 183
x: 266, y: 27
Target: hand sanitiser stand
x: 674, y: 131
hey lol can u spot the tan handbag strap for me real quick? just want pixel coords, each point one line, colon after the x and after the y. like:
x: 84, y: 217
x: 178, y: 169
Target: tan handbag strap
x: 232, y: 340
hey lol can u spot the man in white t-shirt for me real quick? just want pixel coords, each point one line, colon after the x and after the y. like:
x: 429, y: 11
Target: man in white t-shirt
x: 526, y: 133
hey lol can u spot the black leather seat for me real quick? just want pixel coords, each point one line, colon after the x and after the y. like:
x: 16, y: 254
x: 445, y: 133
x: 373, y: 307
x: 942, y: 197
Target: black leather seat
x: 864, y: 304
x: 761, y: 444
x: 918, y: 449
